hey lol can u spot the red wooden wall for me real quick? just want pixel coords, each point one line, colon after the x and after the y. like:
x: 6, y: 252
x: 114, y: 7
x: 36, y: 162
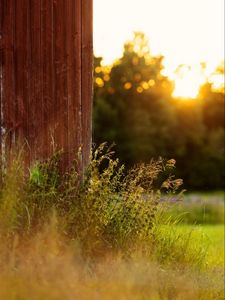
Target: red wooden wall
x: 46, y: 77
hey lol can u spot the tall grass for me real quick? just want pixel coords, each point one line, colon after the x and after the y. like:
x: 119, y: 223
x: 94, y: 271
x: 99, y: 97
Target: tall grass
x: 200, y: 209
x: 101, y: 235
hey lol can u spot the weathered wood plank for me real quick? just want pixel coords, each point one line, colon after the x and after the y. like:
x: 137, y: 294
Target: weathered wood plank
x: 74, y: 75
x: 8, y: 105
x: 87, y: 61
x: 46, y: 62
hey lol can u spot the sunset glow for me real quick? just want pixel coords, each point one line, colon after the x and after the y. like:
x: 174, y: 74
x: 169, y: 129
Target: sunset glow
x: 187, y: 32
x: 187, y: 81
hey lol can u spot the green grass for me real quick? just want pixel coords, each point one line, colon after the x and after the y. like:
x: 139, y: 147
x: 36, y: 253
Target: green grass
x: 216, y: 244
x: 213, y: 238
x: 200, y: 208
x: 104, y: 237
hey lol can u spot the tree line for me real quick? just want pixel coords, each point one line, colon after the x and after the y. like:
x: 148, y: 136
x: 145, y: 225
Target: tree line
x: 134, y: 108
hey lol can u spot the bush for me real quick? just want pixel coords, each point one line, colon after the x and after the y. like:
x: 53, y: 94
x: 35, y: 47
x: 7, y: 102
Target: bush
x: 104, y: 210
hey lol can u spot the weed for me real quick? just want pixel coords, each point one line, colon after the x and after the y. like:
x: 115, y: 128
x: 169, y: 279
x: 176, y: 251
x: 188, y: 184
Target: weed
x: 68, y: 233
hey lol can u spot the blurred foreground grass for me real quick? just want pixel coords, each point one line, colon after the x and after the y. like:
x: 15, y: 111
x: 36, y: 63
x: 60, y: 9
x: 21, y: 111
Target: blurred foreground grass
x: 46, y: 267
x: 106, y: 237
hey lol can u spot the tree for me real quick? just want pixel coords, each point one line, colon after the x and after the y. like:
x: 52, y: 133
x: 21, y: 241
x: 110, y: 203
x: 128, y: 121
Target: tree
x: 132, y: 107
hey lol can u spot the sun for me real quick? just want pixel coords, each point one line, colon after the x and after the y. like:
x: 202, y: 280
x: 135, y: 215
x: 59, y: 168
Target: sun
x: 187, y: 80
x: 192, y: 32
x: 186, y: 88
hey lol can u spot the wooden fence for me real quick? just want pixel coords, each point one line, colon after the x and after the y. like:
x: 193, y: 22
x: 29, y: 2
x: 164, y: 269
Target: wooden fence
x: 46, y: 77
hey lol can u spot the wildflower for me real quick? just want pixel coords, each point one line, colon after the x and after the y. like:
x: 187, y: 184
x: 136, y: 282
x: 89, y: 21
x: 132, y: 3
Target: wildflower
x: 171, y: 163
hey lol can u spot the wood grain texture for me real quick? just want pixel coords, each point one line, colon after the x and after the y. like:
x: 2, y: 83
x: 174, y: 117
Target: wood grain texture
x: 46, y: 78
x: 87, y: 60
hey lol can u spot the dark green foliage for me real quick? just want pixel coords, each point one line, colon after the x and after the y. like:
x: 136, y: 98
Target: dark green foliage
x: 115, y: 210
x: 104, y: 209
x: 134, y: 108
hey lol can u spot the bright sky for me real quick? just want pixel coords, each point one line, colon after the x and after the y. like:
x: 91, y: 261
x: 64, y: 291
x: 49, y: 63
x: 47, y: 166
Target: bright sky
x: 184, y: 31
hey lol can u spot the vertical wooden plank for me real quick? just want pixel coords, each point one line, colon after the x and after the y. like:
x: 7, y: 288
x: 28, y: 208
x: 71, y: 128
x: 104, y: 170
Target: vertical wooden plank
x: 8, y: 107
x: 66, y: 21
x: 87, y: 61
x: 28, y: 80
x: 40, y: 128
x: 48, y: 77
x: 20, y: 52
x: 74, y: 77
x: 35, y: 112
x: 60, y: 77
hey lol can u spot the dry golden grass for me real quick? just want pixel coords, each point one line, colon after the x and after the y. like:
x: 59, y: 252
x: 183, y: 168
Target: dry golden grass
x: 99, y: 239
x: 46, y: 266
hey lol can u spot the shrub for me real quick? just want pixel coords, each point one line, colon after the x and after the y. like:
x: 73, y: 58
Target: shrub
x: 71, y: 234
x: 106, y: 209
x: 114, y: 210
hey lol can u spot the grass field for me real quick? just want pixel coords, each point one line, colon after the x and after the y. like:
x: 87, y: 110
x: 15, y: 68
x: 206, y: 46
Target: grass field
x: 63, y: 241
x: 46, y: 268
x: 213, y: 237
